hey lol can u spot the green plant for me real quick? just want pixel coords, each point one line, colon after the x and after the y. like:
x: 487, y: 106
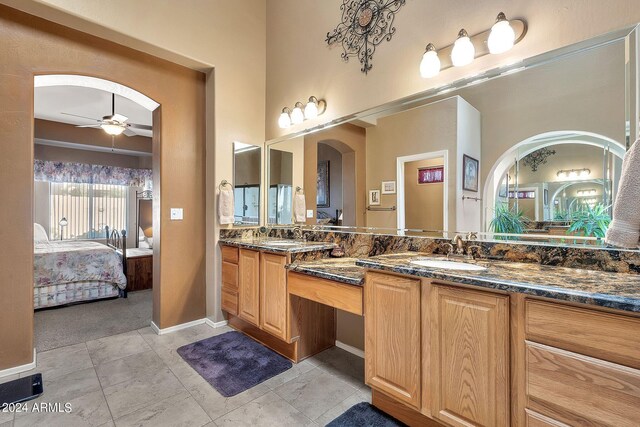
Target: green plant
x: 590, y: 221
x: 562, y: 216
x: 506, y: 220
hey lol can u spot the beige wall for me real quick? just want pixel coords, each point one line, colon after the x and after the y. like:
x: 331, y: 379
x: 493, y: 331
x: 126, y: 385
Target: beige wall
x: 292, y: 34
x: 424, y: 202
x: 179, y: 287
x: 227, y: 39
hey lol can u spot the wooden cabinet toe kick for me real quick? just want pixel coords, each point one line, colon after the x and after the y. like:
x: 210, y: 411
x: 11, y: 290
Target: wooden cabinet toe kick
x: 338, y: 295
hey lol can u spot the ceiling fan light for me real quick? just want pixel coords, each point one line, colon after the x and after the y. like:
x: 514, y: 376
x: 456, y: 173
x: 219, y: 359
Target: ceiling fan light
x: 430, y: 64
x: 502, y: 37
x: 112, y: 129
x: 463, y: 51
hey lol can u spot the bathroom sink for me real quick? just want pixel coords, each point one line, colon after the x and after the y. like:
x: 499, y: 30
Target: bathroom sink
x: 448, y: 265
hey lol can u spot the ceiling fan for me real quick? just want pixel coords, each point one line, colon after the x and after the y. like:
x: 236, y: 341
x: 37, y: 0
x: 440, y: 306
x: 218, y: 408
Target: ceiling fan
x: 115, y: 124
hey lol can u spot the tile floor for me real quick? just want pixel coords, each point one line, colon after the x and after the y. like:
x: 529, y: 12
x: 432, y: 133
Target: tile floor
x: 137, y: 378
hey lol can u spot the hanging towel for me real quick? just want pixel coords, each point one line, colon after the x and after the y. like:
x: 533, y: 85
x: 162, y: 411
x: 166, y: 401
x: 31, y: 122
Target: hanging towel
x: 225, y: 206
x: 299, y: 208
x: 624, y: 230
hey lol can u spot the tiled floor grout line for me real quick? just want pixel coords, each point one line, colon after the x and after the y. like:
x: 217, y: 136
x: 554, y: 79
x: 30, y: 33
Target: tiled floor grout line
x: 100, y: 382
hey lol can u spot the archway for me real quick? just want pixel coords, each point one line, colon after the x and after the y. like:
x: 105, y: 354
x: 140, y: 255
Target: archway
x: 534, y: 143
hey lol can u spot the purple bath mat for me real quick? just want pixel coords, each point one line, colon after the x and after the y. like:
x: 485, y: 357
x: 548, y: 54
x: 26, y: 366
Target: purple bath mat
x: 232, y: 362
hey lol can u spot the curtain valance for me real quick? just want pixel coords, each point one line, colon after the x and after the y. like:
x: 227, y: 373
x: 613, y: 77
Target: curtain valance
x: 82, y: 173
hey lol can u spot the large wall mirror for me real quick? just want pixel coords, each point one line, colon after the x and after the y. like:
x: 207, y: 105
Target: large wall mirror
x: 532, y: 151
x: 247, y: 173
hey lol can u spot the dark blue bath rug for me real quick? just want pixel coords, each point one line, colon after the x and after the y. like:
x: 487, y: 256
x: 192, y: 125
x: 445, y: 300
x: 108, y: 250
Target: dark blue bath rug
x: 364, y: 415
x: 232, y: 362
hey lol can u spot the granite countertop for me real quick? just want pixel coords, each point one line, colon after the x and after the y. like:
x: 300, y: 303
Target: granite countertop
x: 343, y: 270
x: 271, y: 245
x: 619, y: 291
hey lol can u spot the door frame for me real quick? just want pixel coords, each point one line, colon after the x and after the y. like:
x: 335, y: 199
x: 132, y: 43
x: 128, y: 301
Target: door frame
x: 400, y: 161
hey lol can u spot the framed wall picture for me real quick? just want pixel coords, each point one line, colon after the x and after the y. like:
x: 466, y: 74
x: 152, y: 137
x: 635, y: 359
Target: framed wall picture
x: 374, y: 197
x: 323, y: 199
x: 388, y: 187
x: 470, y: 173
x: 431, y: 175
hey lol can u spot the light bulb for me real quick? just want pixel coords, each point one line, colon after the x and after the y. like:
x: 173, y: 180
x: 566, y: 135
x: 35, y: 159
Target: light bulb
x: 463, y: 51
x: 311, y: 109
x: 573, y: 174
x: 297, y: 116
x: 430, y: 64
x: 585, y: 172
x: 284, y: 121
x: 112, y: 129
x: 502, y: 36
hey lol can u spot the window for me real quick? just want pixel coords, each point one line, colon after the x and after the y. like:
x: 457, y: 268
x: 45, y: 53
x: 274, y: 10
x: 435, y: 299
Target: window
x: 88, y: 208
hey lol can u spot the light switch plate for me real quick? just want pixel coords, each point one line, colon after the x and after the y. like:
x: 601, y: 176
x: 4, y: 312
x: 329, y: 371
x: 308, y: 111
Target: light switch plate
x: 309, y: 213
x: 176, y: 214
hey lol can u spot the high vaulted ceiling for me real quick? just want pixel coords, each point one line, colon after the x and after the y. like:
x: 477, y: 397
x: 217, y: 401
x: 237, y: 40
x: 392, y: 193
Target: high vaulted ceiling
x: 51, y: 101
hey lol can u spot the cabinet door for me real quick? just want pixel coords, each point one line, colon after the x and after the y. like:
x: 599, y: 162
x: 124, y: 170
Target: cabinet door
x: 249, y: 286
x: 392, y: 336
x: 273, y: 294
x: 469, y: 357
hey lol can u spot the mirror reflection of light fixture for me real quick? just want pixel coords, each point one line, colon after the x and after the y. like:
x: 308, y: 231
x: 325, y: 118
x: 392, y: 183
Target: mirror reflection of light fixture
x: 430, y: 64
x: 502, y: 36
x: 589, y: 192
x: 284, y: 121
x: 574, y: 173
x: 297, y: 116
x: 62, y: 223
x: 463, y: 51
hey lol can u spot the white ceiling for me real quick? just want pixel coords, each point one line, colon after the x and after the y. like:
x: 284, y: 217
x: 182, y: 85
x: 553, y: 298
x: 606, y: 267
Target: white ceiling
x: 51, y: 101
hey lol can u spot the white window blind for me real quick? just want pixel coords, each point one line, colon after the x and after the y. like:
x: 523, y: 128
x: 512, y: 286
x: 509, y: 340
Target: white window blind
x: 88, y: 208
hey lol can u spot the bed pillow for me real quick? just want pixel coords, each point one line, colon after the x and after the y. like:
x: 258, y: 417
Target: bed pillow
x: 39, y: 234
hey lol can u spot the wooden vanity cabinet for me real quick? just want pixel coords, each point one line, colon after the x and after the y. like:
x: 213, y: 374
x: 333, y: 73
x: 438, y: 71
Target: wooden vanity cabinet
x: 392, y: 336
x: 249, y: 286
x: 273, y: 294
x: 469, y: 357
x: 229, y: 301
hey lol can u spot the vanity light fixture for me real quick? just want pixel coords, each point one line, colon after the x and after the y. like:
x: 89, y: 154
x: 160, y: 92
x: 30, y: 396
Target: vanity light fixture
x: 574, y: 173
x: 502, y: 36
x: 430, y: 64
x: 463, y: 51
x: 297, y: 116
x: 589, y: 192
x: 301, y: 112
x: 284, y: 121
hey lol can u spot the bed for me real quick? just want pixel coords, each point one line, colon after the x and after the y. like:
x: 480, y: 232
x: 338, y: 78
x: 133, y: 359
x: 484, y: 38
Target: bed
x: 70, y: 271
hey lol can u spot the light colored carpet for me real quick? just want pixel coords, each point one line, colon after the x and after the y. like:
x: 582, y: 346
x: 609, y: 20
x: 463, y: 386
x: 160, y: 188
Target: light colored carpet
x: 60, y: 327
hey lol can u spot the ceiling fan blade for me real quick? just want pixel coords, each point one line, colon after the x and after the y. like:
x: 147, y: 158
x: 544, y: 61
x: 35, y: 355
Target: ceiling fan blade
x: 89, y: 126
x: 137, y: 126
x: 84, y: 117
x: 119, y: 118
x: 129, y: 132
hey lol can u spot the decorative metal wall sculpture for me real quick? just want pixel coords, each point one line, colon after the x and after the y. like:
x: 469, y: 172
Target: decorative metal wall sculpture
x: 537, y: 158
x: 365, y: 24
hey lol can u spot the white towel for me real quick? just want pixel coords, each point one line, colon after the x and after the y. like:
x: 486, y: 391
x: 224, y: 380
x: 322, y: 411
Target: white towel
x: 624, y: 230
x: 299, y: 208
x: 225, y: 206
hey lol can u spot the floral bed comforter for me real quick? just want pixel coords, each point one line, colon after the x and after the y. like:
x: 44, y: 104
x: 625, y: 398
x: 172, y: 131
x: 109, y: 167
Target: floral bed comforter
x: 59, y: 262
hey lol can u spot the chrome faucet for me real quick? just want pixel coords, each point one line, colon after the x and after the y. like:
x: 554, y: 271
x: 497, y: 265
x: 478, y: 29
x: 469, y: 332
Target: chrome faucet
x: 458, y: 242
x: 297, y: 233
x: 450, y: 250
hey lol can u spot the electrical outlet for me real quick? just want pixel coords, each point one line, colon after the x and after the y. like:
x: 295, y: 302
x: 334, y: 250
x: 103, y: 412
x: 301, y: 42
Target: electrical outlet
x: 177, y: 214
x: 309, y: 213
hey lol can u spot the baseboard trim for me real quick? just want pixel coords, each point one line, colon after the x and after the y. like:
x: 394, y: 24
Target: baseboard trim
x: 186, y: 325
x: 19, y: 369
x: 350, y: 349
x: 215, y: 325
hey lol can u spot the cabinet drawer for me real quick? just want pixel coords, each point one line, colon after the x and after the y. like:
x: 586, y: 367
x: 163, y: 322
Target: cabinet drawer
x: 598, y: 334
x: 229, y: 301
x: 344, y: 297
x: 230, y: 254
x: 537, y: 420
x: 230, y: 275
x: 580, y: 390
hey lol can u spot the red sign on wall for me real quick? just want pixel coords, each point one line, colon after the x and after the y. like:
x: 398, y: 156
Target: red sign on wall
x: 431, y: 175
